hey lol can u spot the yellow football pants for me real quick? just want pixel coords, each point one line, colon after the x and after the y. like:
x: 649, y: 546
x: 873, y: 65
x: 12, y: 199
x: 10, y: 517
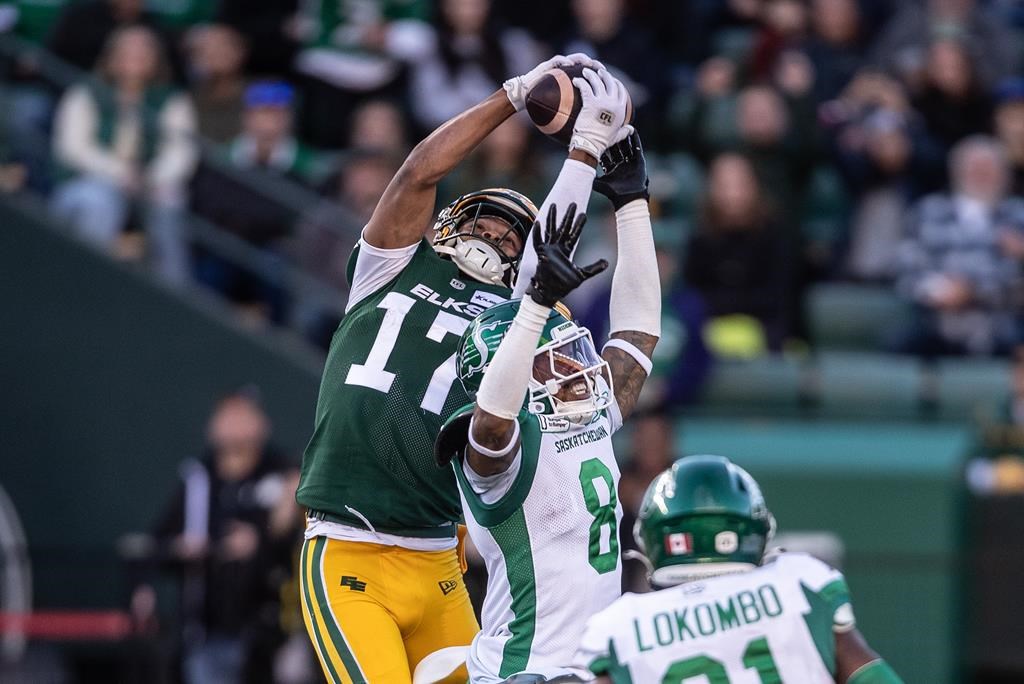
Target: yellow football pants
x: 373, y: 612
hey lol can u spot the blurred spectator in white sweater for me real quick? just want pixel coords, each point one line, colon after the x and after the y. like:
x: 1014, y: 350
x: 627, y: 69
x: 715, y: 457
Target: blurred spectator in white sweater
x: 126, y: 141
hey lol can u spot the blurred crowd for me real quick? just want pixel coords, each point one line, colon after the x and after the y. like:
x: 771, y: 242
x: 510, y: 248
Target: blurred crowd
x: 790, y: 142
x: 865, y: 140
x: 229, y: 537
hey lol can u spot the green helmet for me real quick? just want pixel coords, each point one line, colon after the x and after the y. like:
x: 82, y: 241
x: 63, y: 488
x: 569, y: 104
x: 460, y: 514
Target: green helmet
x: 565, y: 358
x: 565, y: 363
x: 703, y: 516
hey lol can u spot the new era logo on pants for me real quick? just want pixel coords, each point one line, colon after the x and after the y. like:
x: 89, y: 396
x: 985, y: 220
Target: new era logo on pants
x: 448, y: 586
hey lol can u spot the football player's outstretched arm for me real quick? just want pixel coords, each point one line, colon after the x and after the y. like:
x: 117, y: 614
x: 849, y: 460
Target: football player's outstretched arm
x: 494, y: 428
x: 857, y: 663
x: 635, y: 309
x: 407, y: 205
x: 593, y: 133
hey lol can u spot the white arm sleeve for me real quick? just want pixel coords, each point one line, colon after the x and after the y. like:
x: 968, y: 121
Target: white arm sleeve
x: 508, y: 376
x: 375, y: 267
x: 636, y: 288
x: 574, y: 183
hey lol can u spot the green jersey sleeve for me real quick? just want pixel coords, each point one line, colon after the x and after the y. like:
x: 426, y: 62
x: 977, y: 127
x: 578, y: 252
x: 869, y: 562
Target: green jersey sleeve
x: 828, y: 600
x: 596, y: 651
x: 595, y: 648
x: 828, y: 587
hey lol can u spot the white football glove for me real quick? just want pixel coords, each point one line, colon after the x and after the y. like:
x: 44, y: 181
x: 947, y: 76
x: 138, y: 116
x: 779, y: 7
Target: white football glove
x: 519, y: 87
x: 602, y: 119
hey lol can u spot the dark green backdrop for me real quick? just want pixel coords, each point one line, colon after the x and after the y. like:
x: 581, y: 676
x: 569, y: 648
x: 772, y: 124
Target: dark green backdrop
x: 107, y: 381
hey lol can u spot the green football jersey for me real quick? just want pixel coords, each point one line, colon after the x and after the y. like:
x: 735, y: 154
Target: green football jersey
x: 389, y: 384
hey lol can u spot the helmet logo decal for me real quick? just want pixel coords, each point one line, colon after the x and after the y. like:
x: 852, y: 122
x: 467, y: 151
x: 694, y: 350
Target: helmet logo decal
x: 482, y: 349
x: 678, y: 543
x: 726, y: 542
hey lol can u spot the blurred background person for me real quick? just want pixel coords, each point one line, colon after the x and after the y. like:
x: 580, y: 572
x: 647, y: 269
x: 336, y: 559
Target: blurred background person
x: 763, y: 125
x: 82, y: 31
x: 887, y: 160
x: 652, y: 441
x: 467, y: 56
x: 228, y: 534
x: 604, y: 30
x: 1010, y: 129
x: 217, y: 55
x: 266, y: 148
x: 322, y: 249
x: 902, y: 46
x: 267, y: 141
x: 507, y: 158
x: 738, y: 263
x: 380, y: 125
x: 784, y: 26
x: 836, y: 46
x: 352, y: 51
x: 954, y: 102
x: 127, y: 143
x: 270, y: 24
x: 960, y: 259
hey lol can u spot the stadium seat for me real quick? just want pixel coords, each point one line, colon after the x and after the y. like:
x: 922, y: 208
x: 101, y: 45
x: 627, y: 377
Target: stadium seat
x: 973, y: 389
x: 768, y: 385
x: 867, y: 385
x: 850, y: 316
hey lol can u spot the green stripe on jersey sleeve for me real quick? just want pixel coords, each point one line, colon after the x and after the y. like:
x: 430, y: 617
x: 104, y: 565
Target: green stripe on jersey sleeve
x: 821, y: 618
x: 513, y: 539
x: 616, y: 671
x: 492, y: 515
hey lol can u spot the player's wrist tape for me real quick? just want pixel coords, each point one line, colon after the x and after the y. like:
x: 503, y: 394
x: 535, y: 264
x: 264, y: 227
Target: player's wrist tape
x: 633, y: 350
x: 492, y: 453
x: 579, y: 142
x: 515, y: 90
x: 875, y: 672
x: 508, y: 376
x: 636, y: 289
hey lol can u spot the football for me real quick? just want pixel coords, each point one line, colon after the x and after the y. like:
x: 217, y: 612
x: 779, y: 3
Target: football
x: 554, y: 103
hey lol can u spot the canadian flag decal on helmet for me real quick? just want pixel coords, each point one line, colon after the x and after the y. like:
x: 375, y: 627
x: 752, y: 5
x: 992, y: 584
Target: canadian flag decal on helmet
x: 678, y: 543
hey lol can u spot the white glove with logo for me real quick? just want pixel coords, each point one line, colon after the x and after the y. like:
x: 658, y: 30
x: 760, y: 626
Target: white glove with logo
x: 519, y: 87
x: 602, y: 120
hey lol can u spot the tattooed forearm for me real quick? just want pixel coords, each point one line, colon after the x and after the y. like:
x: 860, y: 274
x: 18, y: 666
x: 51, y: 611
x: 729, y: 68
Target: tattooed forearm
x: 494, y: 433
x: 628, y: 376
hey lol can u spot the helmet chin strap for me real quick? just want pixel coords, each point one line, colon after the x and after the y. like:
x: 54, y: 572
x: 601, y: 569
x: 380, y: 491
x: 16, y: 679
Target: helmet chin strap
x: 579, y: 412
x: 477, y: 259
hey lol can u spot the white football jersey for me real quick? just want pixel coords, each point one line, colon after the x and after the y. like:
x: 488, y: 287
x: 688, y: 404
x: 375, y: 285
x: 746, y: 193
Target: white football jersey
x: 773, y: 624
x: 548, y: 533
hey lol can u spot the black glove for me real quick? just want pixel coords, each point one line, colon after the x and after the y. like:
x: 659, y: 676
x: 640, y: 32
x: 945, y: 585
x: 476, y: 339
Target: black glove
x: 624, y: 172
x: 556, y: 274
